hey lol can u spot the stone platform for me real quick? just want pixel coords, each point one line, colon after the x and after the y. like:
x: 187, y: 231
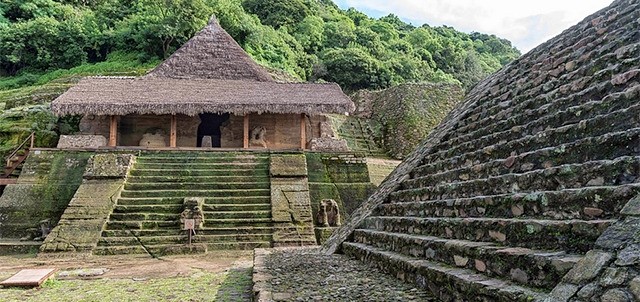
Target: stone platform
x: 304, y: 274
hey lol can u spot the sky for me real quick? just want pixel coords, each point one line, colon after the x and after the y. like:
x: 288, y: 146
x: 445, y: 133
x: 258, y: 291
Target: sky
x: 525, y: 23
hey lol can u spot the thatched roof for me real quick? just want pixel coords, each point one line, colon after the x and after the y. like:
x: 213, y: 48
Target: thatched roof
x: 211, y: 54
x: 210, y: 73
x: 121, y: 96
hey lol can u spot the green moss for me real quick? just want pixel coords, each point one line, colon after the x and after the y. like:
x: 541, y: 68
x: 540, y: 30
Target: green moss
x: 48, y: 182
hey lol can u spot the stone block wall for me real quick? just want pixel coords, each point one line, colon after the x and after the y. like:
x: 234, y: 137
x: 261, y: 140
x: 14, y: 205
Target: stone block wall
x: 48, y: 181
x: 611, y: 271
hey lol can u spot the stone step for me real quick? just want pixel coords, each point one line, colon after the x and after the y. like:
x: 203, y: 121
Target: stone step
x: 598, y: 88
x: 204, y: 160
x: 583, y: 203
x: 554, y: 115
x: 236, y: 214
x: 264, y: 230
x: 143, y: 217
x: 142, y: 225
x: 197, y: 193
x: 607, y: 146
x: 197, y: 186
x: 205, y: 179
x: 159, y: 209
x: 200, y: 166
x: 621, y: 171
x: 203, y: 154
x: 237, y: 207
x: 172, y: 173
x: 535, y: 268
x: 573, y: 236
x: 446, y: 282
x: 179, y: 249
x: 169, y: 201
x: 182, y: 239
x: 237, y: 222
x: 501, y: 144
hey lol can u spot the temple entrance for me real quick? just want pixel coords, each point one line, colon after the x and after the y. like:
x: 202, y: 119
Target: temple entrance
x: 210, y: 126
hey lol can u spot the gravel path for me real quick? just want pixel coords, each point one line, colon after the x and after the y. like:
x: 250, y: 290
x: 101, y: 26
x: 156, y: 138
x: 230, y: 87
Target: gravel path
x: 304, y: 275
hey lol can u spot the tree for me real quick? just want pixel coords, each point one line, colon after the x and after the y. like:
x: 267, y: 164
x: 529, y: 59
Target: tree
x: 277, y: 13
x: 353, y: 68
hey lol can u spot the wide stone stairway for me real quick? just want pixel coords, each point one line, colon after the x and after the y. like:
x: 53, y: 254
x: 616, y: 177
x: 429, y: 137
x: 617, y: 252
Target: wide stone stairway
x: 520, y: 181
x: 237, y: 205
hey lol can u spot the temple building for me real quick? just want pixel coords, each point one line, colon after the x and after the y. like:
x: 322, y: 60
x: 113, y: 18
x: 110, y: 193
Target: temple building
x: 209, y: 93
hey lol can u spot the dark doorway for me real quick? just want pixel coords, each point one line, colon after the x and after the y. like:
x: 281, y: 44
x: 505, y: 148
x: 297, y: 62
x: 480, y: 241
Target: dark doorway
x: 210, y: 126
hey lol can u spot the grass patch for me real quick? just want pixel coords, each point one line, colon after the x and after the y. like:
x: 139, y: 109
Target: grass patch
x: 233, y: 285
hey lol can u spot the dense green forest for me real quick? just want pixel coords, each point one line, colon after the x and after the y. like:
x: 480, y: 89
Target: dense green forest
x: 309, y: 39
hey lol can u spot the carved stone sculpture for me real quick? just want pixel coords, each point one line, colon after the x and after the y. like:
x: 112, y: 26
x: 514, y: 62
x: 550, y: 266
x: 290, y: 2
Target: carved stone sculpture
x: 329, y: 213
x: 193, y: 210
x: 257, y: 137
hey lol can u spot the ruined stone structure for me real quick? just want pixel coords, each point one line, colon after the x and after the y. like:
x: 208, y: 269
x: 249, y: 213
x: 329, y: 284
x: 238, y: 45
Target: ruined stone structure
x: 539, y: 167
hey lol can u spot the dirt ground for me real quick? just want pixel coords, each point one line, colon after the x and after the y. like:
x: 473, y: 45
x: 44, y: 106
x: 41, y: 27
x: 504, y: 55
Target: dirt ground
x: 215, y: 276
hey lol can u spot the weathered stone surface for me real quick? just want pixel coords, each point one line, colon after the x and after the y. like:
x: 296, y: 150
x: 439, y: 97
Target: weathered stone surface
x: 562, y: 293
x: 619, y: 234
x: 630, y: 255
x: 634, y: 287
x: 81, y: 141
x: 328, y: 144
x: 593, y: 212
x: 108, y: 165
x: 288, y: 165
x: 460, y: 261
x: 588, y: 268
x: 616, y: 295
x: 613, y: 277
x: 632, y: 208
x: 588, y: 290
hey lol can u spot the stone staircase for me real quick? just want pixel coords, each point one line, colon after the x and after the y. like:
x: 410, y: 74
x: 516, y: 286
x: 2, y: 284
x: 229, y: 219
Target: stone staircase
x: 525, y: 178
x: 237, y: 209
x: 358, y: 133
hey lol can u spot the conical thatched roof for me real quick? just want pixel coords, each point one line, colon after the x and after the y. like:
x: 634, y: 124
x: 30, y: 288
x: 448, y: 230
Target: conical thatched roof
x: 210, y: 73
x: 211, y: 54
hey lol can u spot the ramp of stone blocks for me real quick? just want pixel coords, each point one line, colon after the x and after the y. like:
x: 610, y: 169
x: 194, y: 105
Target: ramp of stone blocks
x: 518, y: 183
x: 81, y: 223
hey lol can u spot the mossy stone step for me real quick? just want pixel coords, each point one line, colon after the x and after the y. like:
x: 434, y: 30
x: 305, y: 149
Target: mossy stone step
x: 540, y: 269
x: 197, y: 186
x: 238, y: 245
x: 607, y: 146
x: 563, y: 115
x: 204, y: 160
x: 503, y: 143
x: 236, y: 207
x: 158, y: 209
x: 200, y: 166
x: 454, y: 284
x: 203, y: 154
x: 583, y: 203
x: 209, y: 231
x: 236, y: 214
x: 199, y: 172
x: 204, y: 179
x: 573, y: 236
x: 145, y: 216
x: 621, y: 171
x: 151, y: 201
x: 197, y: 193
x: 237, y: 222
x: 140, y: 225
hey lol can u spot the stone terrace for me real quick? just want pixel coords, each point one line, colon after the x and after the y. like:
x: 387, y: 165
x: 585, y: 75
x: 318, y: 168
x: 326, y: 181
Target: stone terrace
x: 519, y: 182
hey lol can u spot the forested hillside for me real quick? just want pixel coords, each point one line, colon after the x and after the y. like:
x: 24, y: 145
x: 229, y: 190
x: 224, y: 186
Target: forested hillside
x: 47, y: 45
x: 309, y: 39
